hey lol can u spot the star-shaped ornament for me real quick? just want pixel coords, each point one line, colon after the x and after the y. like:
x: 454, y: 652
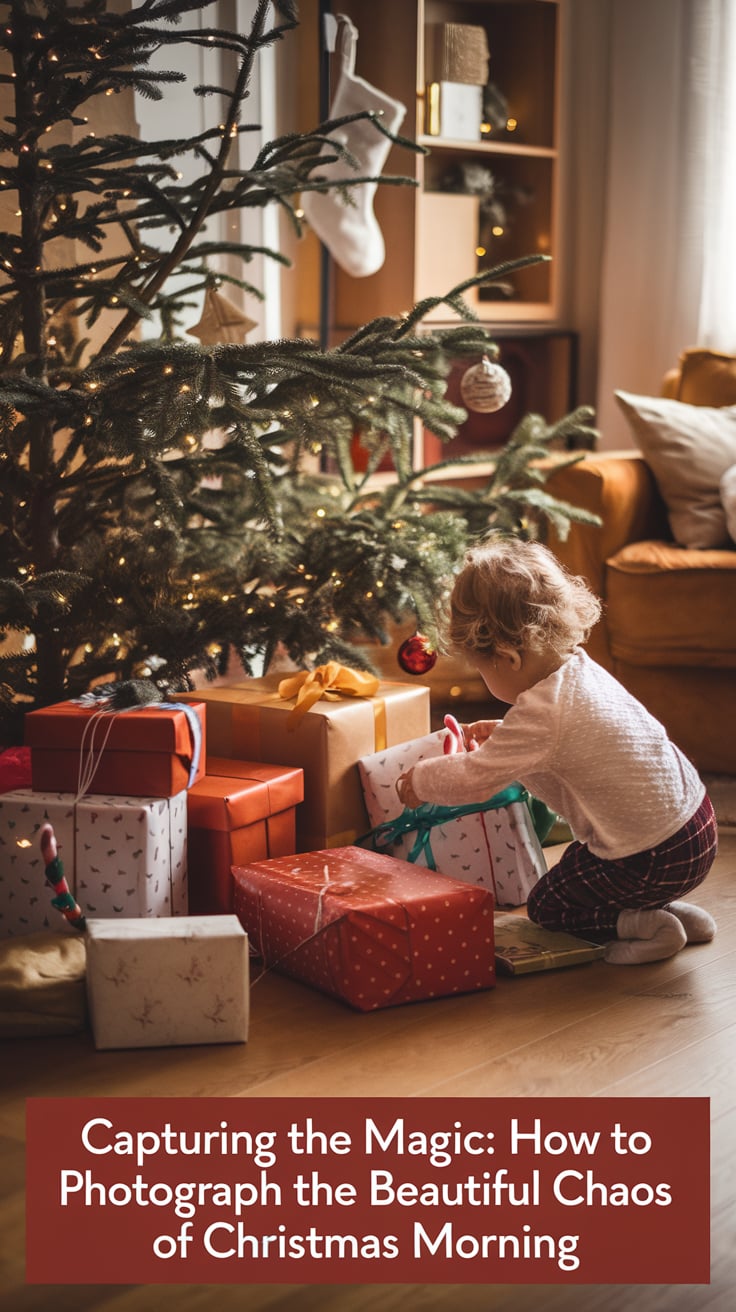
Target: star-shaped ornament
x: 222, y: 321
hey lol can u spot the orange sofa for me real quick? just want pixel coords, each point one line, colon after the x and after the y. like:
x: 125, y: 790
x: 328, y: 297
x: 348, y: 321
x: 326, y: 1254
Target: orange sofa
x: 669, y: 625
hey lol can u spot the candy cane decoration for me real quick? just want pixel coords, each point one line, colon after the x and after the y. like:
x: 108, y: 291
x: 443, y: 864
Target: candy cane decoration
x: 64, y: 900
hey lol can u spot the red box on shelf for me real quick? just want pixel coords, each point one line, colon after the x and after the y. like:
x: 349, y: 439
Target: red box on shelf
x: 241, y: 811
x: 145, y: 752
x: 367, y: 928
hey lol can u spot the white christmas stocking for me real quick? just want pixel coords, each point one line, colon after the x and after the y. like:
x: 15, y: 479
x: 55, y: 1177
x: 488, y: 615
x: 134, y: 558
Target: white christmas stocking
x: 350, y: 230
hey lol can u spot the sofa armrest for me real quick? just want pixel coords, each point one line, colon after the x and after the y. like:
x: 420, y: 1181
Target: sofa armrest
x: 620, y: 488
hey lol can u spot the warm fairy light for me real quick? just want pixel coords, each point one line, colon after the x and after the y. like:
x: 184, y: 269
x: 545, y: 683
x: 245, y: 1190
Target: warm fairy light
x: 480, y: 251
x: 185, y: 387
x: 511, y: 124
x: 320, y: 513
x: 299, y: 214
x: 368, y: 595
x: 92, y: 386
x: 196, y: 577
x: 485, y: 128
x: 88, y: 421
x: 456, y: 690
x: 23, y: 842
x: 497, y: 231
x: 168, y: 369
x: 119, y: 601
x: 114, y: 300
x: 379, y: 583
x: 121, y: 560
x: 157, y: 523
x: 225, y: 596
x: 332, y: 626
x: 88, y: 648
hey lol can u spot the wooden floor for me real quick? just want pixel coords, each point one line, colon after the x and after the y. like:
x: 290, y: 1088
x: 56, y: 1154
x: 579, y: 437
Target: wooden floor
x: 666, y: 1029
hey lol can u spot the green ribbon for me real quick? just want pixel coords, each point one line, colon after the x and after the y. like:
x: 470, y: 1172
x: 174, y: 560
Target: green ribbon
x: 426, y: 817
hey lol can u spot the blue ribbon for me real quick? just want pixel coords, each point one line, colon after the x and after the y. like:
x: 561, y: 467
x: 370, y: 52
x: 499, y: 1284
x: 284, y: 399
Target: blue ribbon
x: 195, y: 727
x: 426, y: 817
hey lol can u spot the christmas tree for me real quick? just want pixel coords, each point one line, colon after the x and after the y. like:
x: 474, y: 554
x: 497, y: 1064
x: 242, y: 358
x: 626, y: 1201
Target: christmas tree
x: 165, y: 502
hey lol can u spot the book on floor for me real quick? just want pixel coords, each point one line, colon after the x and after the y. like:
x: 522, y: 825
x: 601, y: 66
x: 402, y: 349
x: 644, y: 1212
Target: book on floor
x: 522, y: 947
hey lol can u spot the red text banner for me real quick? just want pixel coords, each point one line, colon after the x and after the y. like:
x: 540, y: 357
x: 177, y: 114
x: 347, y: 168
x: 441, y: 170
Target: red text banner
x: 374, y: 1190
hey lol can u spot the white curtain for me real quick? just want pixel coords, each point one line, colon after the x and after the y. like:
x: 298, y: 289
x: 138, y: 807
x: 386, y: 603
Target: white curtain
x: 668, y: 276
x: 717, y: 319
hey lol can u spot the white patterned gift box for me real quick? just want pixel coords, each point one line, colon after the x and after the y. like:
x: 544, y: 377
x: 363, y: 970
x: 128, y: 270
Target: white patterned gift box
x: 122, y: 856
x: 163, y: 983
x: 492, y: 844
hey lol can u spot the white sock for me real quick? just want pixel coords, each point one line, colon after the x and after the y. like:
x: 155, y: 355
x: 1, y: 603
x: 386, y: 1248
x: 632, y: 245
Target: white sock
x: 698, y: 924
x: 350, y: 231
x: 645, y: 936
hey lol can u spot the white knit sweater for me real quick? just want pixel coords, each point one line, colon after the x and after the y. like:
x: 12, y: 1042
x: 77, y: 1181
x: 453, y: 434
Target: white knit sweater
x: 580, y: 742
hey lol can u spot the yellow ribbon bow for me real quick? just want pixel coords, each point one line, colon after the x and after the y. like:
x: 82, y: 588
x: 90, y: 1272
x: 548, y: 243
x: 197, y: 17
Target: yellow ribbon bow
x: 331, y: 681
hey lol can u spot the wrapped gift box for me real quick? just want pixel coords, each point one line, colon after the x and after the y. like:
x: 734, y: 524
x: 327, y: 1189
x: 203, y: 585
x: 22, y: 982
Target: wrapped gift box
x: 241, y: 811
x: 158, y: 983
x: 493, y: 845
x: 523, y: 947
x: 122, y: 856
x: 251, y: 722
x: 145, y: 752
x: 367, y: 928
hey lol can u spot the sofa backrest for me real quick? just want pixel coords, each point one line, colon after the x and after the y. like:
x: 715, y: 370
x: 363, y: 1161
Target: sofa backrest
x: 702, y: 377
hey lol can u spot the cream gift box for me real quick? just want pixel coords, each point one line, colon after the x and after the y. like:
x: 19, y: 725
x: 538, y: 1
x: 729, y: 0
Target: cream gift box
x: 493, y: 844
x: 163, y: 983
x: 250, y: 721
x: 122, y: 856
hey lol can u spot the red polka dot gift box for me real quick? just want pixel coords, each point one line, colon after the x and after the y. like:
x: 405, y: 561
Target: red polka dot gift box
x: 367, y: 928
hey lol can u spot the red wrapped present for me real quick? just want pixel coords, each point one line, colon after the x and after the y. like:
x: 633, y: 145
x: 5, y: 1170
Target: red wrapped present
x: 367, y: 928
x: 149, y: 751
x: 241, y: 811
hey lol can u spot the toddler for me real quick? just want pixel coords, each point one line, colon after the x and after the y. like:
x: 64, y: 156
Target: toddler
x: 645, y: 832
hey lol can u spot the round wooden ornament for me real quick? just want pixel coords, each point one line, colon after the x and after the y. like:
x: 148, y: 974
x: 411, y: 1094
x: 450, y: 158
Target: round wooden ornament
x: 485, y: 387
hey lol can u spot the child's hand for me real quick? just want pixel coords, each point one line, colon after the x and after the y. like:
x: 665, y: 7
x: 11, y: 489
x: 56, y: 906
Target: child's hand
x: 405, y: 789
x: 478, y: 732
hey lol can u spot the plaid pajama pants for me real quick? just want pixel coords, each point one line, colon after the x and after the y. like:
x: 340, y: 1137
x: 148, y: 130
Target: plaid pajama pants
x: 584, y: 893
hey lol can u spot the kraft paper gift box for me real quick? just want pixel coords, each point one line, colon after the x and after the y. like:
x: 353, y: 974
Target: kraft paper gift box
x: 143, y: 752
x: 162, y: 983
x: 122, y: 856
x: 366, y: 928
x: 492, y: 844
x: 241, y: 811
x: 250, y: 721
x: 523, y: 947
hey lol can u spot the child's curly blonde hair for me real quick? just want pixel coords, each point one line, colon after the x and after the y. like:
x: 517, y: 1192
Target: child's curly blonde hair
x: 516, y: 594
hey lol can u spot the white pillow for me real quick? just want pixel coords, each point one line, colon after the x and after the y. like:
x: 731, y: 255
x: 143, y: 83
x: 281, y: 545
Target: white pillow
x: 688, y: 449
x: 728, y: 499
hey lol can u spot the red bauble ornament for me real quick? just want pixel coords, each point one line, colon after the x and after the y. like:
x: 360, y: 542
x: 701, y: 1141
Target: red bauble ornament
x: 416, y: 655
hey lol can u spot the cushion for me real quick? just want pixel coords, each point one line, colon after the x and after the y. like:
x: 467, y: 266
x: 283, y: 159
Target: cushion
x: 728, y: 499
x: 688, y: 449
x: 706, y: 377
x: 666, y: 606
